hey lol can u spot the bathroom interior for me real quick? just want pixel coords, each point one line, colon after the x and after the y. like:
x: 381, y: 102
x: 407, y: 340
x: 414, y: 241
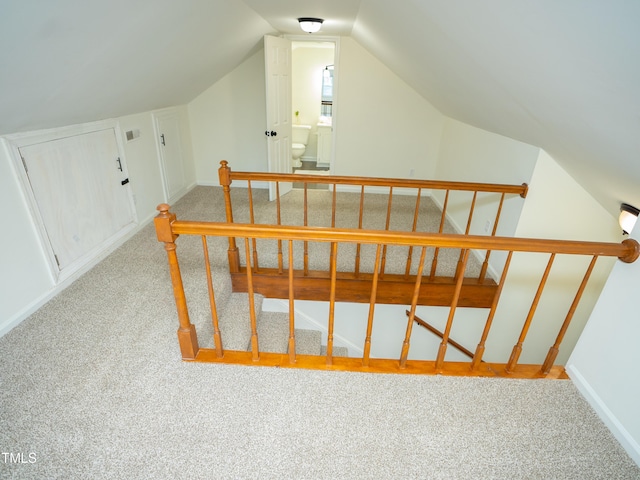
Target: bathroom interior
x: 312, y: 102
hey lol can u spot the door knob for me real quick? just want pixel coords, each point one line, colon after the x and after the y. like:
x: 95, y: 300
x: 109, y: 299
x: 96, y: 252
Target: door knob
x: 270, y: 133
x: 273, y: 134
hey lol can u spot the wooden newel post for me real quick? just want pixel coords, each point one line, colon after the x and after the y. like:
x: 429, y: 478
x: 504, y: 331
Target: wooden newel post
x: 224, y: 174
x: 187, y: 337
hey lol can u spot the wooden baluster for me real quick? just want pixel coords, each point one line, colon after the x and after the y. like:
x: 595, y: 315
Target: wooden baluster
x: 466, y: 232
x: 372, y: 304
x: 386, y: 227
x: 517, y: 349
x: 360, y: 217
x: 333, y: 220
x: 414, y: 302
x: 434, y: 262
x: 279, y: 221
x: 555, y: 348
x: 477, y: 358
x: 407, y: 270
x: 334, y: 200
x: 292, y: 325
x: 217, y: 339
x: 454, y: 303
x: 187, y: 336
x: 252, y: 221
x: 255, y: 352
x: 485, y: 264
x: 306, y: 223
x: 332, y: 302
x: 224, y: 174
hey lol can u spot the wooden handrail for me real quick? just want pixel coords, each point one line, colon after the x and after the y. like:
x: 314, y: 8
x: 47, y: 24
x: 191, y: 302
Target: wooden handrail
x: 374, y: 181
x: 627, y: 251
x: 439, y: 334
x: 168, y: 229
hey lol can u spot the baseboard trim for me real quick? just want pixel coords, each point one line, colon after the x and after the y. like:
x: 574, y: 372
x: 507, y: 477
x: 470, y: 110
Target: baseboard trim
x: 630, y: 444
x: 66, y: 280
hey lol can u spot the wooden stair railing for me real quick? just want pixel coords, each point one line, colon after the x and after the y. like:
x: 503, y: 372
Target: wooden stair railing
x: 168, y: 229
x: 438, y: 333
x: 355, y: 285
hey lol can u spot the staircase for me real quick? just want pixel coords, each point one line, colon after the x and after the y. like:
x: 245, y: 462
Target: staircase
x: 236, y: 330
x: 272, y: 327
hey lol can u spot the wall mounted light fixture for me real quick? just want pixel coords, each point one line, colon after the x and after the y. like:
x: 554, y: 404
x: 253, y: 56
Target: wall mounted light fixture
x: 628, y: 217
x: 310, y: 24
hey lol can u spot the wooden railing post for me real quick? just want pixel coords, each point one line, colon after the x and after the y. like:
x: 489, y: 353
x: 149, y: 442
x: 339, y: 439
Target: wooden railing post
x: 452, y: 311
x: 332, y: 302
x: 372, y: 306
x: 517, y: 348
x: 224, y: 175
x: 187, y: 337
x: 477, y: 358
x: 217, y: 338
x: 555, y: 348
x: 255, y: 350
x: 412, y: 313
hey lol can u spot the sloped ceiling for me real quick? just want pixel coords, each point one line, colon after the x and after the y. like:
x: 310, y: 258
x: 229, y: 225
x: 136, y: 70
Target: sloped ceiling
x: 561, y: 75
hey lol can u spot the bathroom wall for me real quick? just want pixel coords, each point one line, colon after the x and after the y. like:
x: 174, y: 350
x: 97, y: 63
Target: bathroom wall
x: 308, y: 61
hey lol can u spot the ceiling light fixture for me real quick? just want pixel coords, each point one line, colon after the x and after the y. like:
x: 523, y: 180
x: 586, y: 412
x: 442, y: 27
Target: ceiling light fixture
x: 310, y: 24
x: 628, y: 217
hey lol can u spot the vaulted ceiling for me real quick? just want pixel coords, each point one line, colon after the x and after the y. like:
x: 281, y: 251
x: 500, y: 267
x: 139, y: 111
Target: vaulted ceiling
x: 561, y: 75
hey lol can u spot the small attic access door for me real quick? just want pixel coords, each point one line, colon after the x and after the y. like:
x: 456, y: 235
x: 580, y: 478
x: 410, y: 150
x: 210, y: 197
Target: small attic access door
x: 277, y: 53
x: 82, y: 195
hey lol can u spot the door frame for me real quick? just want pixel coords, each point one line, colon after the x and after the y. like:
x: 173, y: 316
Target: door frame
x: 16, y: 141
x: 157, y: 116
x: 336, y: 84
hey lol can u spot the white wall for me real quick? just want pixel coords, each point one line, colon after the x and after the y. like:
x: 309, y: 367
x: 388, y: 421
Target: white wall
x: 24, y: 275
x: 384, y: 128
x: 556, y: 208
x: 604, y: 364
x: 470, y: 154
x: 228, y: 122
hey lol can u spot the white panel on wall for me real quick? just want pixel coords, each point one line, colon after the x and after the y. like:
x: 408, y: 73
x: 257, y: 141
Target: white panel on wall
x: 81, y: 190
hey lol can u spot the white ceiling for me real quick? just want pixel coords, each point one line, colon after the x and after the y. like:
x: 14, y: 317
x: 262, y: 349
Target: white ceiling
x: 561, y: 75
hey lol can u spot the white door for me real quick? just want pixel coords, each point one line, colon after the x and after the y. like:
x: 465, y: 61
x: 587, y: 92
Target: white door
x: 169, y: 146
x: 277, y: 53
x: 81, y: 189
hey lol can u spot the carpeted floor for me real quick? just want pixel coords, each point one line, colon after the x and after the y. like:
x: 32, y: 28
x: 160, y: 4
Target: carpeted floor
x: 92, y: 386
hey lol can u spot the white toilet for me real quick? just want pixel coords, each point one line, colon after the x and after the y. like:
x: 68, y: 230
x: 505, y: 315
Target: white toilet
x: 299, y: 140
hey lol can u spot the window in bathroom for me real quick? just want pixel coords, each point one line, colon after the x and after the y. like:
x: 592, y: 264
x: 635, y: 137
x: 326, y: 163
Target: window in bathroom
x: 327, y: 91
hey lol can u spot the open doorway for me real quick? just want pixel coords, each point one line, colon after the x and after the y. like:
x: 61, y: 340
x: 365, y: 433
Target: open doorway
x: 313, y: 103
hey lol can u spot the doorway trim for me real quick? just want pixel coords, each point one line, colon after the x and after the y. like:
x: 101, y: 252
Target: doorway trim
x: 336, y: 85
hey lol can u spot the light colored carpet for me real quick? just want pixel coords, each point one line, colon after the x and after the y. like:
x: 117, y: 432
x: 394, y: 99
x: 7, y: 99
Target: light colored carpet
x: 92, y: 384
